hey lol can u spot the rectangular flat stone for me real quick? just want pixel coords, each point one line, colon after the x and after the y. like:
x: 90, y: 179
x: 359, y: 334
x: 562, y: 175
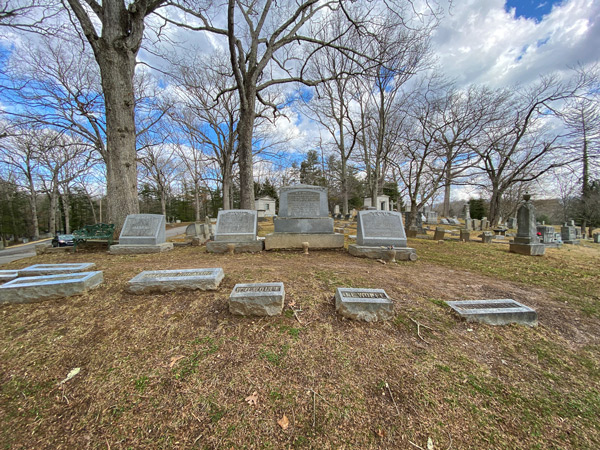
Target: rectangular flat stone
x: 236, y: 225
x: 370, y: 305
x: 8, y: 275
x: 257, y: 299
x: 495, y: 312
x: 239, y: 247
x: 40, y: 288
x: 125, y: 249
x: 143, y: 229
x: 275, y: 241
x: 170, y: 280
x: 55, y: 269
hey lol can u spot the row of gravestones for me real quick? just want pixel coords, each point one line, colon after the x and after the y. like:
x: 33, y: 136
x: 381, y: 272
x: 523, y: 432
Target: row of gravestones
x: 48, y: 281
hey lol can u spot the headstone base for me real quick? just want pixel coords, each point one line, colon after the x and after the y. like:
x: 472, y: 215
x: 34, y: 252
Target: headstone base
x: 573, y: 242
x: 553, y: 245
x: 240, y: 247
x: 304, y: 225
x: 124, y: 249
x: 275, y: 241
x: 363, y: 251
x: 528, y: 249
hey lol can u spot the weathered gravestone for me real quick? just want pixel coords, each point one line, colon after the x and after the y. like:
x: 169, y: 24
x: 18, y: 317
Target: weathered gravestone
x: 487, y: 237
x: 568, y: 234
x: 369, y: 305
x: 597, y: 238
x: 142, y: 233
x: 465, y: 235
x: 512, y: 223
x: 527, y: 242
x: 303, y: 217
x: 495, y: 312
x: 257, y: 299
x: 439, y: 234
x: 55, y: 269
x: 236, y: 227
x: 379, y: 231
x: 40, y: 288
x: 444, y: 221
x: 547, y: 236
x: 467, y: 216
x: 171, y: 280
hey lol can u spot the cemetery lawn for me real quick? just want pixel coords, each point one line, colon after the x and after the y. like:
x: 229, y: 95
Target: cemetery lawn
x: 177, y: 370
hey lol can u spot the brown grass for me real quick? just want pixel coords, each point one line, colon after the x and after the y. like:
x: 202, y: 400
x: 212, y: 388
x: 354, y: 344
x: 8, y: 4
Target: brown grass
x: 173, y: 370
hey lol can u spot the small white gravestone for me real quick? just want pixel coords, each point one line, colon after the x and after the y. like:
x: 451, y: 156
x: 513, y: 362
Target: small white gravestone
x: 37, y: 289
x: 170, y: 280
x: 369, y: 305
x: 257, y: 299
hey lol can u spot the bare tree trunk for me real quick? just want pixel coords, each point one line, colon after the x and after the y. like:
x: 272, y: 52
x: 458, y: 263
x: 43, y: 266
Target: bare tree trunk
x: 245, y: 128
x: 344, y: 175
x: 163, y: 203
x: 495, y: 201
x: 66, y: 209
x: 227, y: 185
x: 53, y: 209
x: 117, y: 84
x: 34, y: 213
x: 197, y: 201
x: 92, y: 206
x: 447, y: 188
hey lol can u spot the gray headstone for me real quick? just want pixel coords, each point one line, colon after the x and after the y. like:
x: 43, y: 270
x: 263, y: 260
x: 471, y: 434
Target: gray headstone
x: 376, y: 228
x: 37, y: 289
x: 236, y: 225
x: 170, y: 280
x: 257, y: 299
x: 303, y: 201
x: 597, y: 238
x: 143, y: 229
x: 55, y: 269
x: 369, y: 305
x: 495, y: 312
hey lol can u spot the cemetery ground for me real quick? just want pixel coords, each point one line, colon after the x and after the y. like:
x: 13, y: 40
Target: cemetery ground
x: 177, y: 370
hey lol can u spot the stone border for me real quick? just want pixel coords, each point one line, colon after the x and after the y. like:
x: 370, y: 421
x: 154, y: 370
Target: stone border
x: 161, y: 281
x: 402, y: 253
x: 495, y: 312
x: 55, y: 269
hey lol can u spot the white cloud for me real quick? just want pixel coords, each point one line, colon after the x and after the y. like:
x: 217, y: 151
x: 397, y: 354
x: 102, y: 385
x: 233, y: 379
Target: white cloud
x: 480, y: 42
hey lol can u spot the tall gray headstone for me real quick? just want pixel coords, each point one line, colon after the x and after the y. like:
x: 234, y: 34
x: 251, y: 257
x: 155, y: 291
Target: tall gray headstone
x: 527, y: 242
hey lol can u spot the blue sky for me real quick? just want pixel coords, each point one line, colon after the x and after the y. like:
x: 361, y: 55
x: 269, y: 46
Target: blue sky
x: 531, y: 9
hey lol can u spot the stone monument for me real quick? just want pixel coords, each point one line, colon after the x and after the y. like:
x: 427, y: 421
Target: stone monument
x: 547, y: 236
x: 142, y: 233
x: 568, y: 233
x: 527, y: 242
x: 467, y: 214
x: 236, y: 227
x: 377, y: 233
x: 303, y: 217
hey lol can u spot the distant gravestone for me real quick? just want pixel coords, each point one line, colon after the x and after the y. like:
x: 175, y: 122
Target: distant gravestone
x: 171, y: 280
x: 548, y: 236
x: 257, y: 299
x: 527, y: 242
x: 495, y: 312
x: 369, y: 305
x: 465, y: 235
x: 597, y: 238
x: 467, y: 216
x: 487, y: 237
x: 55, y: 269
x: 47, y: 287
x: 439, y: 234
x: 378, y: 231
x: 512, y: 223
x: 568, y: 234
x: 142, y: 233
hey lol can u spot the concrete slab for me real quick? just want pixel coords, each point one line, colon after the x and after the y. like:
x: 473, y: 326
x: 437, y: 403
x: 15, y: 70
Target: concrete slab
x: 528, y: 249
x: 257, y: 299
x: 40, y: 288
x: 122, y: 249
x: 8, y: 275
x: 171, y: 280
x: 369, y: 305
x: 240, y: 247
x: 363, y: 251
x: 294, y: 241
x: 495, y: 312
x: 55, y: 269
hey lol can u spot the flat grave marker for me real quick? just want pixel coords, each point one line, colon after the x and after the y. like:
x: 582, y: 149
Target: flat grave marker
x: 170, y: 280
x: 8, y: 275
x: 257, y: 299
x: 46, y: 287
x: 369, y: 305
x: 495, y: 312
x: 55, y: 269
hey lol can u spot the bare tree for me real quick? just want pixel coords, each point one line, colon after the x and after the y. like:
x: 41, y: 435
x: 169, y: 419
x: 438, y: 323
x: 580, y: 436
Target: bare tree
x: 115, y: 48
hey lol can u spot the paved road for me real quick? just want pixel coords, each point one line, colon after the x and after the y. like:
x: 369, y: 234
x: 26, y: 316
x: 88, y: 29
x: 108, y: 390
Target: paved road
x: 27, y: 250
x: 17, y: 252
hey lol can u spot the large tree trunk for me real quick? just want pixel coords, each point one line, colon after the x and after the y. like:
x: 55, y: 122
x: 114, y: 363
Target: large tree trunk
x: 447, y: 188
x: 495, y: 201
x: 245, y: 128
x: 197, y: 201
x: 227, y: 182
x: 121, y: 166
x: 66, y: 210
x: 344, y: 186
x: 34, y: 214
x: 53, y: 209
